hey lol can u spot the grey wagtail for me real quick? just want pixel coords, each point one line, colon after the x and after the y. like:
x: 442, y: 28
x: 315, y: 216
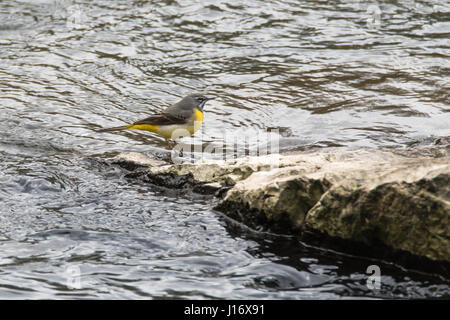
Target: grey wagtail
x: 179, y: 120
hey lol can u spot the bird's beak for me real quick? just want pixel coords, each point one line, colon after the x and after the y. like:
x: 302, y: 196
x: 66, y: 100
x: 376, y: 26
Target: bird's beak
x: 212, y: 98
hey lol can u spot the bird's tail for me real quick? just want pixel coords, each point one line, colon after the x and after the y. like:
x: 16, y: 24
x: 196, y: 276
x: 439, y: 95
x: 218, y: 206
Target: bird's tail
x: 115, y: 128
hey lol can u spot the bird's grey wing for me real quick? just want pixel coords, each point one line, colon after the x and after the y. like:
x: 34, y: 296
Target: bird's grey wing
x: 162, y: 119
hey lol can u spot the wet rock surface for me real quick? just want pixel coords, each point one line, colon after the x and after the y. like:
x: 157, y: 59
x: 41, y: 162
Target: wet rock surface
x: 389, y: 200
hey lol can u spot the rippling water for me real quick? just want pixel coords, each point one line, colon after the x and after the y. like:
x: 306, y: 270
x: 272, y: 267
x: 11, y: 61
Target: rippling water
x: 326, y: 73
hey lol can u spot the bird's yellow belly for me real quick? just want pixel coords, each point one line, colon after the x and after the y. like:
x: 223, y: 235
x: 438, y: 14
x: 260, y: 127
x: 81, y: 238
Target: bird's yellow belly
x: 174, y: 131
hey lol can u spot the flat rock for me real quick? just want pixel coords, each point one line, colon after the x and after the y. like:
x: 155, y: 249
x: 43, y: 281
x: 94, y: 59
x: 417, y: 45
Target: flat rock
x: 398, y: 198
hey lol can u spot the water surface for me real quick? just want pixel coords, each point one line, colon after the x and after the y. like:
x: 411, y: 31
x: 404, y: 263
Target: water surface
x: 325, y: 73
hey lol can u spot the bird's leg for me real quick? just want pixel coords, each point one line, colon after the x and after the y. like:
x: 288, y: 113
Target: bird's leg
x: 172, y: 143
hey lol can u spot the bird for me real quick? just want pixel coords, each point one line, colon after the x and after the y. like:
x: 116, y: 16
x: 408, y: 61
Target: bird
x: 179, y: 120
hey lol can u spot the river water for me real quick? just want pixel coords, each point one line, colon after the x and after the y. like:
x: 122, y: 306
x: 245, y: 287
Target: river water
x: 322, y: 73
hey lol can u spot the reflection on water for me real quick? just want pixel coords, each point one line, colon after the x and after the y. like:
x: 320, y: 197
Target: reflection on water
x: 345, y: 73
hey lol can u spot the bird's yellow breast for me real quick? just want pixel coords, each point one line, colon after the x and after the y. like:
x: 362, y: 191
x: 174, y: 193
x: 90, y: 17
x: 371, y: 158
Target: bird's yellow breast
x: 198, y: 115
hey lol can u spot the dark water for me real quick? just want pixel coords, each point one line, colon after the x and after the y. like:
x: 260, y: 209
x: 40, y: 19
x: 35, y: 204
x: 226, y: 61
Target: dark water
x: 327, y: 73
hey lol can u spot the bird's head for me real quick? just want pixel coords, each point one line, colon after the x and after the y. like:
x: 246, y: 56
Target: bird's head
x: 197, y: 100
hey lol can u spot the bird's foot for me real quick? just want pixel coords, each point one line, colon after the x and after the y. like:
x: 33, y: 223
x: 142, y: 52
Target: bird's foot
x: 171, y: 143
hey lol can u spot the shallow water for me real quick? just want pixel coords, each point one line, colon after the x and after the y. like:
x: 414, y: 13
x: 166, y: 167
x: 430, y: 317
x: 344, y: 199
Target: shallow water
x: 324, y: 73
